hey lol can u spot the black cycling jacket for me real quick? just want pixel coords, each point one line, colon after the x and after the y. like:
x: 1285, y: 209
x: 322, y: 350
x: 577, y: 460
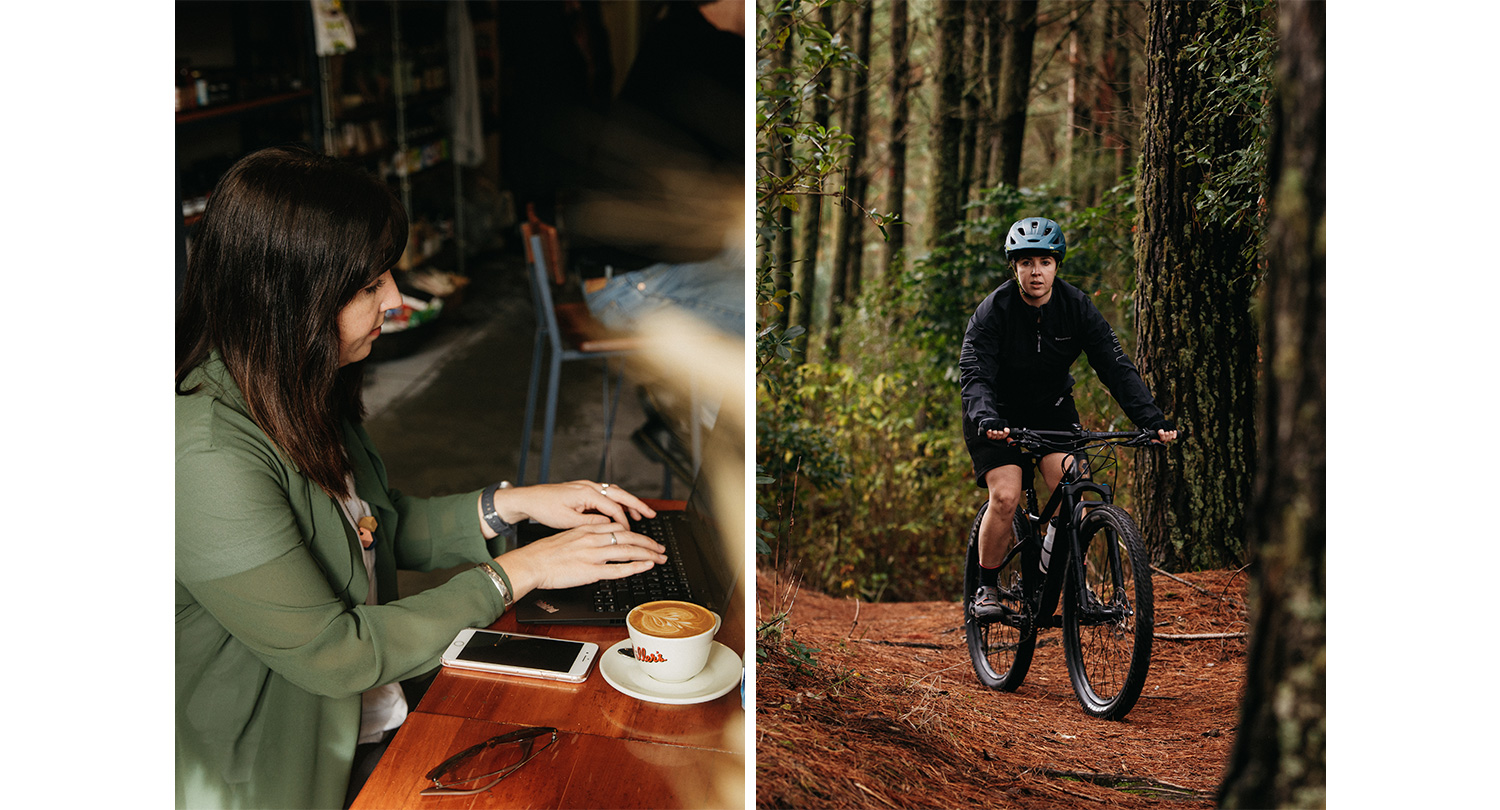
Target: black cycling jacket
x: 1016, y: 355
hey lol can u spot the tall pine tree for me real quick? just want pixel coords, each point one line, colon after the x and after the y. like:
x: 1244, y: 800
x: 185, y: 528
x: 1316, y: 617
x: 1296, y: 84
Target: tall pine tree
x: 1279, y: 758
x: 1196, y: 245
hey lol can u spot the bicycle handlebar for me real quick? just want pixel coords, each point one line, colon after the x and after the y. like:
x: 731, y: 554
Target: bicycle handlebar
x: 1072, y: 439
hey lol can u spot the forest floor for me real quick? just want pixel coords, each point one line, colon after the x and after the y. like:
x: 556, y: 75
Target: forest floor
x: 891, y: 715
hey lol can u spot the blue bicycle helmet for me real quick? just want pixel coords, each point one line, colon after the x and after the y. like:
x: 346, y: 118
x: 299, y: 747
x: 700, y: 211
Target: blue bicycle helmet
x: 1035, y: 234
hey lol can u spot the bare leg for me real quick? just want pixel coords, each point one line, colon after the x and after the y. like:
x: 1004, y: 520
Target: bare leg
x: 995, y: 531
x: 1052, y: 468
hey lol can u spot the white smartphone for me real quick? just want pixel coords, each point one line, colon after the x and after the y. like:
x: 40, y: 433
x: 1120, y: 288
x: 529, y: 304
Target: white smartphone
x: 555, y: 659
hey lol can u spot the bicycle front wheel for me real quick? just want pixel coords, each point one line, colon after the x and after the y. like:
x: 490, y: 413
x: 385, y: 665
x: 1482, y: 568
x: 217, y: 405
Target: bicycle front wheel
x: 1107, y: 629
x: 1000, y: 650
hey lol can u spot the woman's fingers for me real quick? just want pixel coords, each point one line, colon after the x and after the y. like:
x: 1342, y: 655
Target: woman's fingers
x: 582, y: 555
x: 627, y: 544
x: 624, y: 569
x: 620, y: 500
x: 636, y: 506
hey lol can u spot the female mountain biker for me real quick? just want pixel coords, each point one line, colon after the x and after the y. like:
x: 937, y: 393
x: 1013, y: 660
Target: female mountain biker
x: 1013, y: 370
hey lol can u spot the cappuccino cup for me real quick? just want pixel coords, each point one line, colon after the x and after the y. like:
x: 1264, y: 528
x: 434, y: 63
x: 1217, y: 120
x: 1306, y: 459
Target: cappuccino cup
x: 671, y: 639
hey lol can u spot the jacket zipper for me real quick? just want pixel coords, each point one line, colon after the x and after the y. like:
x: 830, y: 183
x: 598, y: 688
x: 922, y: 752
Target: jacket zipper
x: 1038, y: 330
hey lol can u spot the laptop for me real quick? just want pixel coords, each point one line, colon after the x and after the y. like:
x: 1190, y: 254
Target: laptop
x: 697, y: 570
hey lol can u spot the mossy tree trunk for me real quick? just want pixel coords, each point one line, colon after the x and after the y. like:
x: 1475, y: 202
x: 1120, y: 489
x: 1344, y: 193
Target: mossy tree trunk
x: 1279, y: 754
x: 1195, y: 275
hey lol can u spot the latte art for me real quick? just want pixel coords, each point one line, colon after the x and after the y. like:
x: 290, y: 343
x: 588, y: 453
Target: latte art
x: 671, y: 619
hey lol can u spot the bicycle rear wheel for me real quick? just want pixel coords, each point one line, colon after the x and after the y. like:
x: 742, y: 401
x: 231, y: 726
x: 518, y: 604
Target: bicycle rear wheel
x: 1107, y: 632
x: 1001, y: 650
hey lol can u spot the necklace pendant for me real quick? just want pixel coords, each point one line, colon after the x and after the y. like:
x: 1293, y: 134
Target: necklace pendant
x: 367, y: 526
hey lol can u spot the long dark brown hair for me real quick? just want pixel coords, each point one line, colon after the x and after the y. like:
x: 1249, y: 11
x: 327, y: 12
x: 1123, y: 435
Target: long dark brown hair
x: 287, y: 239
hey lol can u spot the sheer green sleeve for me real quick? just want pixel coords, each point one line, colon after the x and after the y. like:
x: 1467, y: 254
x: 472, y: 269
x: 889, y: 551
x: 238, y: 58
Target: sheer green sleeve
x: 269, y: 556
x: 430, y: 533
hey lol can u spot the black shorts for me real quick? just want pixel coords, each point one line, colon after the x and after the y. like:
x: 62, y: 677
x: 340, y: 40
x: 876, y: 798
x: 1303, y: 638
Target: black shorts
x: 988, y: 454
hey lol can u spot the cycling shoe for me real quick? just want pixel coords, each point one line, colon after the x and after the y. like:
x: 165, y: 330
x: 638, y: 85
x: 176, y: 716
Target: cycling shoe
x: 989, y: 604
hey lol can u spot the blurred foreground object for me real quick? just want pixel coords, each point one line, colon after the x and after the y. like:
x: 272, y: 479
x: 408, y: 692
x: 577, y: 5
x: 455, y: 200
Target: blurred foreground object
x: 682, y: 356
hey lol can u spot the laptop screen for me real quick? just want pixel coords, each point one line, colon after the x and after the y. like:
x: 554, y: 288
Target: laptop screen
x: 700, y: 517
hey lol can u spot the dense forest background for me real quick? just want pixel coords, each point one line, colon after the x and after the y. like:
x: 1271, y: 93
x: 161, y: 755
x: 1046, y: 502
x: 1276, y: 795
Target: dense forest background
x: 897, y: 140
x: 1182, y: 148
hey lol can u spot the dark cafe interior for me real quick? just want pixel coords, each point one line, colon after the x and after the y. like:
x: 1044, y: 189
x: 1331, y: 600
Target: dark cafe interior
x: 563, y: 319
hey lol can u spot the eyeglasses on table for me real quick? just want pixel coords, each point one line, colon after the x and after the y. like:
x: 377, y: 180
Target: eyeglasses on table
x: 480, y: 767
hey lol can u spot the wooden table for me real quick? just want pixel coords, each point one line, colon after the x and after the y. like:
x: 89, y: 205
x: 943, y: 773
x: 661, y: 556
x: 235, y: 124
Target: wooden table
x: 612, y: 750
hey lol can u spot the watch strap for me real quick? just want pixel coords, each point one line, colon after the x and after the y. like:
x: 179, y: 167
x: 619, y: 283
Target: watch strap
x: 492, y: 518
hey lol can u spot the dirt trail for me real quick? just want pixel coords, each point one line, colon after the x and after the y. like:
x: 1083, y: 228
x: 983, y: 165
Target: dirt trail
x: 892, y: 716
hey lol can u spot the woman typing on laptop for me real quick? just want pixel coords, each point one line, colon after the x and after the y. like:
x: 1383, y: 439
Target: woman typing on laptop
x: 290, y: 643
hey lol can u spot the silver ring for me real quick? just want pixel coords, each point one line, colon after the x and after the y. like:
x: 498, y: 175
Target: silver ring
x: 612, y: 539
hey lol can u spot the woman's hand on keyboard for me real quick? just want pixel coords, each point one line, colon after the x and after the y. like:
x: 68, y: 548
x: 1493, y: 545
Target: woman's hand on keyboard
x: 570, y: 505
x: 579, y: 556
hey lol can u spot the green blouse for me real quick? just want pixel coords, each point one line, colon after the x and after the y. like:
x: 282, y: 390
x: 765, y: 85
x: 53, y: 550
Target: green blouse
x: 274, y: 641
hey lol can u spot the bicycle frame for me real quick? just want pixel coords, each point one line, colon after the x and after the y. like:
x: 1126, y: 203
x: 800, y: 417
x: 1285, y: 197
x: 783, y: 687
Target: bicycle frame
x: 1096, y: 570
x: 1067, y: 503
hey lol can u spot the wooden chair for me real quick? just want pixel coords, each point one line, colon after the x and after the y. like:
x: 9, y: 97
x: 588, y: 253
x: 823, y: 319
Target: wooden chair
x: 568, y: 330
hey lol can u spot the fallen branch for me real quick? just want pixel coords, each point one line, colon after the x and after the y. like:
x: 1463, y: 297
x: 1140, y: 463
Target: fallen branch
x: 1093, y: 799
x: 1197, y: 636
x: 1199, y: 588
x: 1117, y: 781
x: 923, y: 644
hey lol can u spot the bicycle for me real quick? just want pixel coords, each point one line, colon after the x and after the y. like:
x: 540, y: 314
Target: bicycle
x: 1097, y: 565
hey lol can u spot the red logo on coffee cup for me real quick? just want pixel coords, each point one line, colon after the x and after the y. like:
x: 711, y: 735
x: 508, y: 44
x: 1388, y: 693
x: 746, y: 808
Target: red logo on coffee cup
x: 652, y: 657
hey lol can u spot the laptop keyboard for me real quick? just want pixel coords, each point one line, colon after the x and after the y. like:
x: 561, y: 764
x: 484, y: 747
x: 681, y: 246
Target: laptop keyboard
x: 665, y: 581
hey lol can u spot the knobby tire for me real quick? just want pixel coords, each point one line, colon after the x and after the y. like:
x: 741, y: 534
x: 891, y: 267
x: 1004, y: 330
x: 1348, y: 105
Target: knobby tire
x: 1000, y: 651
x: 1108, y: 660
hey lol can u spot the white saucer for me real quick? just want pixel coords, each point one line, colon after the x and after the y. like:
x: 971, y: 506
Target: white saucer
x: 721, y: 674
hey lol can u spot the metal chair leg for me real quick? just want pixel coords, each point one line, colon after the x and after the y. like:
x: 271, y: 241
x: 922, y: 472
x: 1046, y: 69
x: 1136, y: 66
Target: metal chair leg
x: 549, y: 423
x: 531, y: 392
x: 611, y: 409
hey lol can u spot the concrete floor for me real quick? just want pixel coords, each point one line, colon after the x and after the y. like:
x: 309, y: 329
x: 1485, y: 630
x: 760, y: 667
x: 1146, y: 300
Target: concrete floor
x: 447, y: 417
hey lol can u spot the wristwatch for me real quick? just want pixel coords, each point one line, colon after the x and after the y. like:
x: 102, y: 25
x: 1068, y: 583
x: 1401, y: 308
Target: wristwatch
x: 487, y: 501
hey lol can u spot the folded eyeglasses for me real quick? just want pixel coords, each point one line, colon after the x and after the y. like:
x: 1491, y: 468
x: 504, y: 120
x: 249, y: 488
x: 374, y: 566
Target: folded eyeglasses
x: 480, y: 767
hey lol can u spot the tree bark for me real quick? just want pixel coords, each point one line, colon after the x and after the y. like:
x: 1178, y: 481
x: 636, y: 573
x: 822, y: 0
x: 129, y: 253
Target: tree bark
x: 971, y: 105
x: 1194, y: 277
x: 1083, y: 113
x: 859, y: 169
x: 846, y: 241
x: 989, y: 130
x: 812, y: 217
x: 944, y: 208
x: 1015, y: 86
x: 1279, y: 754
x: 781, y: 243
x: 1114, y: 90
x: 900, y: 80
